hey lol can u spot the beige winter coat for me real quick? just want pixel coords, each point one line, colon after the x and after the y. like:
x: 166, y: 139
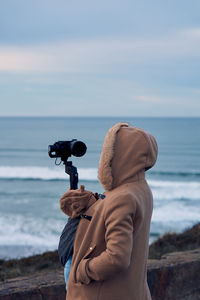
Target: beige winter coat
x: 111, y: 250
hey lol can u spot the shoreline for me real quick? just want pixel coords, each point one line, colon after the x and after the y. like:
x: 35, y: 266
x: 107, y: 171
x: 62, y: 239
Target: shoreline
x: 49, y: 261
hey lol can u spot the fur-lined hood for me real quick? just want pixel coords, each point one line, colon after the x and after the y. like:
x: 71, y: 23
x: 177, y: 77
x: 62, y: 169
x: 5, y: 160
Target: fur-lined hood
x: 127, y: 153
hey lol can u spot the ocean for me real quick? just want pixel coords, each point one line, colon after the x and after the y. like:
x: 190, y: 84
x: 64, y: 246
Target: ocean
x: 31, y: 184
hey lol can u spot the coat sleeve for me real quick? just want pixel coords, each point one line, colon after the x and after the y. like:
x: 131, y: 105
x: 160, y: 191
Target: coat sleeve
x: 118, y: 217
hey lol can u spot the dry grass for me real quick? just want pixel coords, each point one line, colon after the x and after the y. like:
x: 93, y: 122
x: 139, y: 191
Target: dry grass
x: 173, y: 242
x: 25, y: 266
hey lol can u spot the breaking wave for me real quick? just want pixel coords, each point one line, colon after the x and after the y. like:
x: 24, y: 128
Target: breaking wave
x: 56, y: 173
x: 44, y: 173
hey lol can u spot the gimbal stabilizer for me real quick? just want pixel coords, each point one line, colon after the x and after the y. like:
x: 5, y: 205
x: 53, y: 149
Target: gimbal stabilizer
x: 64, y: 149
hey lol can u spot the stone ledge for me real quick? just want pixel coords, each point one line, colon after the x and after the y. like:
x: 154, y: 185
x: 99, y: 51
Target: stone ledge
x: 49, y: 285
x: 175, y: 276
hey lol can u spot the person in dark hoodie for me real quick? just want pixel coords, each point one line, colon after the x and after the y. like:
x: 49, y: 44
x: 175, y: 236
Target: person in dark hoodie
x: 110, y: 251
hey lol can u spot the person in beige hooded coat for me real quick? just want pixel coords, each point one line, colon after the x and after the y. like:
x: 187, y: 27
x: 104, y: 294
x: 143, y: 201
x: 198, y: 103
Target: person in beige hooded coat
x: 110, y: 251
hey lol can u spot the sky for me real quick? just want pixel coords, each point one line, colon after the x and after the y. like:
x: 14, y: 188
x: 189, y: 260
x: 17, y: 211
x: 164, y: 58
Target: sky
x: 100, y: 58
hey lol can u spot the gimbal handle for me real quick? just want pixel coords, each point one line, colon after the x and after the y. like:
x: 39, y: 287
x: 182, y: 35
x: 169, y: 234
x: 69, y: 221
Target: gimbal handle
x: 73, y: 174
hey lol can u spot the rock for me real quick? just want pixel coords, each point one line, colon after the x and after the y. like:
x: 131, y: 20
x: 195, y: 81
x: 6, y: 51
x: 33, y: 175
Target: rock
x: 175, y: 276
x: 49, y: 285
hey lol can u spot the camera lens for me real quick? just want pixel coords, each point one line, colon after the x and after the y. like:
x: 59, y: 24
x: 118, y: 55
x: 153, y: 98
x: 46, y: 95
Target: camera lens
x: 78, y: 148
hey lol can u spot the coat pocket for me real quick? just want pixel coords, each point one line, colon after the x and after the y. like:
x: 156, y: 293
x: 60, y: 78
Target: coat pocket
x: 88, y: 254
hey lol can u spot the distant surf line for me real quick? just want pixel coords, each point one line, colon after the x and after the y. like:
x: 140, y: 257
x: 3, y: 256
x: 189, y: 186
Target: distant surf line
x: 87, y: 174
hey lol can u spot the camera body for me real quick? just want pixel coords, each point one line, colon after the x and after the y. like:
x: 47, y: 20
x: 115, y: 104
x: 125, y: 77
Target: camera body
x: 65, y: 149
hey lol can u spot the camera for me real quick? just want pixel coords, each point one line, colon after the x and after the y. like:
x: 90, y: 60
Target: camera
x: 65, y: 149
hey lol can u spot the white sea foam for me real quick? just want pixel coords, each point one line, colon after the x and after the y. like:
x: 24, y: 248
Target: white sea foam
x: 163, y: 190
x: 36, y: 234
x: 170, y: 190
x: 44, y: 173
x: 29, y: 231
x: 176, y: 206
x: 175, y: 212
x: 174, y: 217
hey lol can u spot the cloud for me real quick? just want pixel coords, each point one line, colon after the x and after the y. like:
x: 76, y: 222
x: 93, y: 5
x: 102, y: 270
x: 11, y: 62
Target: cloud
x: 191, y: 33
x: 147, y: 98
x: 196, y: 91
x: 101, y: 55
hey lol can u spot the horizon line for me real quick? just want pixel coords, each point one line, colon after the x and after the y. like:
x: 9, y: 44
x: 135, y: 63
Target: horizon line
x: 79, y: 116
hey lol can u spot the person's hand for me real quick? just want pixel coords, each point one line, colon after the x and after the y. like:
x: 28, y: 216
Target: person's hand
x: 75, y: 202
